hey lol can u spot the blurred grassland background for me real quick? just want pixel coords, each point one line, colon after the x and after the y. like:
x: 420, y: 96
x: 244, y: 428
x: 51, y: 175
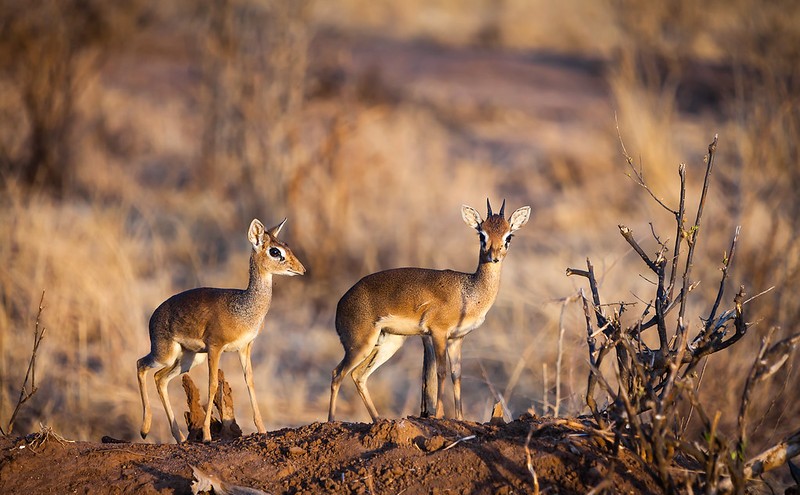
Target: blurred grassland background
x: 138, y: 139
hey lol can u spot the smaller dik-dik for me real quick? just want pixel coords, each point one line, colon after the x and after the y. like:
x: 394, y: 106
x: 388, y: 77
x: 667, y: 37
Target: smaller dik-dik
x: 380, y: 311
x: 202, y: 321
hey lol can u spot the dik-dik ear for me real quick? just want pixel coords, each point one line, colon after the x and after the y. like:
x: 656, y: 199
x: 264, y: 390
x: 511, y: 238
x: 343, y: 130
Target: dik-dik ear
x: 519, y: 217
x: 274, y: 231
x: 256, y: 233
x: 471, y: 216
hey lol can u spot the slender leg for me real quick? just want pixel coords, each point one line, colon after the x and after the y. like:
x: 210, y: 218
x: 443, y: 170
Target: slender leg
x: 213, y: 377
x: 350, y: 361
x: 454, y: 353
x: 336, y: 382
x: 162, y: 378
x: 440, y: 349
x: 388, y: 344
x: 182, y: 363
x: 247, y: 368
x: 353, y: 356
x: 428, y: 378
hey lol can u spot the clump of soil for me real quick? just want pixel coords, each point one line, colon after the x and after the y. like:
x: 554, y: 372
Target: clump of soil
x: 410, y: 455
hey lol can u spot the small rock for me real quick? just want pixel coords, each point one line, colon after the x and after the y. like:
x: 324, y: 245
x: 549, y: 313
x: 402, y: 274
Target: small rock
x: 286, y: 470
x: 434, y: 443
x: 296, y: 451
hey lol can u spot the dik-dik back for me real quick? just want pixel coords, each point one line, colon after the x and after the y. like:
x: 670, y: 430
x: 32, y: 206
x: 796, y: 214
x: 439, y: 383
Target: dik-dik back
x: 407, y: 301
x: 197, y: 318
x: 381, y: 310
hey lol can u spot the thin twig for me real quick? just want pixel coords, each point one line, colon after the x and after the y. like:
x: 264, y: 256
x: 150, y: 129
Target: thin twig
x: 748, y: 388
x: 747, y: 301
x: 725, y: 264
x: 679, y: 222
x: 497, y: 395
x: 639, y: 175
x: 30, y: 375
x: 627, y: 233
x: 560, y: 351
x: 692, y: 235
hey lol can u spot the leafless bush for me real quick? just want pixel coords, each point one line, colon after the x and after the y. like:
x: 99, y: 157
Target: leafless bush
x: 645, y: 410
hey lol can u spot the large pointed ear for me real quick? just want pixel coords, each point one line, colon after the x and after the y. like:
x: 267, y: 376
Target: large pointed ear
x: 256, y: 233
x: 274, y: 231
x: 471, y: 216
x: 519, y: 217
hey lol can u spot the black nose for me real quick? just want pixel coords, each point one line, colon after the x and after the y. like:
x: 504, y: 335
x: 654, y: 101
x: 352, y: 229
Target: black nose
x: 496, y: 260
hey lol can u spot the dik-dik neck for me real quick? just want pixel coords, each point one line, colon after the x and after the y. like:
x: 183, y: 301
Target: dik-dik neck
x: 258, y: 295
x: 486, y: 278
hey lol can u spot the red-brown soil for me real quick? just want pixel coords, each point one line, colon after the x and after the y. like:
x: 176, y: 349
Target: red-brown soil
x: 407, y: 456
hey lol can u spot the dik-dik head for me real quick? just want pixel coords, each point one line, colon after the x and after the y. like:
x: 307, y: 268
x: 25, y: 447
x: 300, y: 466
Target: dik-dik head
x: 495, y: 232
x: 270, y: 254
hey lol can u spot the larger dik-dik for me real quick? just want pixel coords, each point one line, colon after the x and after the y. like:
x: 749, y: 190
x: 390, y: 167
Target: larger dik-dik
x: 374, y: 317
x: 202, y: 321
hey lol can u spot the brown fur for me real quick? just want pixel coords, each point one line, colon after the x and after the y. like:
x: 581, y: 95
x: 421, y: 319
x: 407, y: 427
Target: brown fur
x: 209, y: 321
x: 381, y: 310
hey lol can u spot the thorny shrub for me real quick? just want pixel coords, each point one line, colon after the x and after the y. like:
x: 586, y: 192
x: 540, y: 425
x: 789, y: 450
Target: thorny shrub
x: 656, y: 390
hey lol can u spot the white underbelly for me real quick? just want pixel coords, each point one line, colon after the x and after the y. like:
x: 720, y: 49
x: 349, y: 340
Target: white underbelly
x: 399, y: 325
x: 466, y: 327
x: 243, y: 340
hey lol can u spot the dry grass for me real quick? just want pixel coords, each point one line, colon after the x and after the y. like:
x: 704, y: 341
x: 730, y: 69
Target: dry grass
x: 372, y: 184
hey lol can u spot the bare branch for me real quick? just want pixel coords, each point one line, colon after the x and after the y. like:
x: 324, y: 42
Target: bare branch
x: 711, y: 341
x: 775, y: 357
x: 575, y: 271
x: 30, y: 375
x: 725, y: 264
x: 773, y: 457
x: 638, y: 175
x: 692, y: 234
x: 627, y: 233
x: 748, y: 388
x: 591, y: 343
x: 679, y: 222
x: 768, y: 460
x: 654, y: 381
x: 747, y: 301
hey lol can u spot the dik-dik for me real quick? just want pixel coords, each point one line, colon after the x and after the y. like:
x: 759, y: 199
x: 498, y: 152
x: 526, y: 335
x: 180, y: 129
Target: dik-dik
x: 210, y: 321
x: 377, y: 314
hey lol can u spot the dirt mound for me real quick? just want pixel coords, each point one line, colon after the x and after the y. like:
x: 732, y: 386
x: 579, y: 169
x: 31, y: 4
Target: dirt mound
x: 410, y: 455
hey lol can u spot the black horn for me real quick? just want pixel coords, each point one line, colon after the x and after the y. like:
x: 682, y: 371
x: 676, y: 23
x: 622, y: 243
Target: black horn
x: 503, y: 208
x: 488, y: 207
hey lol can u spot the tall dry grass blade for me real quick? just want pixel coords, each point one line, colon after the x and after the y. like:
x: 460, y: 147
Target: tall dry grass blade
x: 529, y: 462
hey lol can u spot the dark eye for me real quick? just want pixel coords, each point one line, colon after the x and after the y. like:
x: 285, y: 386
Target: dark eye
x: 275, y: 253
x: 508, y: 239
